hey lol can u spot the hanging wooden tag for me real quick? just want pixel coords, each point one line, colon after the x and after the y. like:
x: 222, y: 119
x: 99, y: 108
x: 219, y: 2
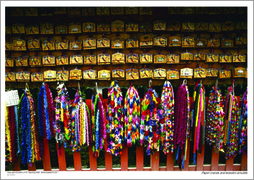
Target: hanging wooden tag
x: 74, y: 28
x: 225, y: 58
x: 74, y: 11
x: 117, y: 43
x: 103, y: 58
x: 21, y: 61
x: 89, y: 43
x: 89, y: 27
x: 131, y: 27
x: 172, y: 74
x: 102, y: 27
x: 62, y: 75
x: 90, y: 59
x: 62, y: 45
x: 160, y: 41
x: 229, y: 10
x: 174, y: 41
x: 213, y: 42
x: 18, y: 28
x: 145, y: 73
x: 227, y: 43
x: 202, y: 26
x: 35, y: 61
x: 188, y: 42
x: 174, y: 26
x: 239, y: 72
x: 246, y: 73
x: 118, y: 74
x: 46, y: 11
x: 132, y: 58
x: 228, y: 26
x: 7, y: 29
x: 174, y: 10
x: 132, y: 43
x: 131, y: 10
x: 240, y: 40
x: 118, y: 58
x: 199, y: 73
x: 10, y: 77
x: 117, y: 10
x: 60, y: 10
x: 103, y: 43
x: 242, y: 10
x: 49, y: 60
x: 146, y: 58
x: 239, y: 58
x: 117, y: 26
x: 17, y: 11
x: 32, y: 29
x: 214, y: 27
x: 76, y: 59
x: 215, y: 10
x: 211, y: 72
x: 202, y: 10
x: 200, y: 42
x: 187, y: 56
x: 159, y: 25
x: 49, y: 75
x: 8, y: 46
x: 47, y: 28
x: 159, y: 73
x: 188, y: 26
x: 132, y: 74
x: 102, y: 11
x: 19, y: 45
x: 104, y: 75
x: 48, y: 45
x: 145, y: 27
x: 146, y: 40
x: 173, y: 58
x: 33, y: 44
x: 75, y: 45
x: 199, y: 56
x: 37, y: 77
x: 241, y: 25
x: 75, y: 74
x: 160, y: 58
x: 61, y: 29
x: 31, y: 11
x: 186, y: 73
x: 88, y: 11
x: 224, y: 74
x: 9, y: 61
x: 62, y: 60
x: 145, y: 11
x: 90, y: 74
x: 188, y: 10
x: 23, y: 76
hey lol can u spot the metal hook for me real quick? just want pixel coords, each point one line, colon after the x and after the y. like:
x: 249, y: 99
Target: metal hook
x: 150, y: 83
x: 233, y: 86
x: 78, y: 87
x: 216, y: 83
x: 96, y: 86
x: 185, y: 81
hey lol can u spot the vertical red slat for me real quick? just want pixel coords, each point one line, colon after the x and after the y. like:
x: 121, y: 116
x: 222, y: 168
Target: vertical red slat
x: 16, y: 166
x: 170, y: 161
x: 124, y: 159
x: 108, y: 161
x: 31, y: 167
x: 244, y: 162
x: 77, y: 161
x: 200, y: 159
x: 46, y: 156
x: 155, y: 161
x: 61, y: 159
x: 139, y: 158
x: 229, y: 164
x: 214, y: 160
x: 93, y: 160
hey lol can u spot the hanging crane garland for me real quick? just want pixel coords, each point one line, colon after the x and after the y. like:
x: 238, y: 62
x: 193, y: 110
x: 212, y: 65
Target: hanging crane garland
x: 167, y: 120
x: 243, y: 128
x: 115, y: 120
x: 8, y: 158
x: 132, y: 117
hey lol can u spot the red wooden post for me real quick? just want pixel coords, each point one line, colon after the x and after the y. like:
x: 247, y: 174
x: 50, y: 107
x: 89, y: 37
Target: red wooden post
x: 155, y: 161
x: 46, y: 156
x: 214, y: 160
x: 200, y: 159
x: 229, y: 164
x: 77, y: 161
x: 170, y: 161
x: 108, y: 161
x: 31, y: 167
x: 61, y: 159
x: 16, y: 165
x: 124, y: 159
x: 139, y: 158
x: 244, y: 162
x: 93, y: 160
